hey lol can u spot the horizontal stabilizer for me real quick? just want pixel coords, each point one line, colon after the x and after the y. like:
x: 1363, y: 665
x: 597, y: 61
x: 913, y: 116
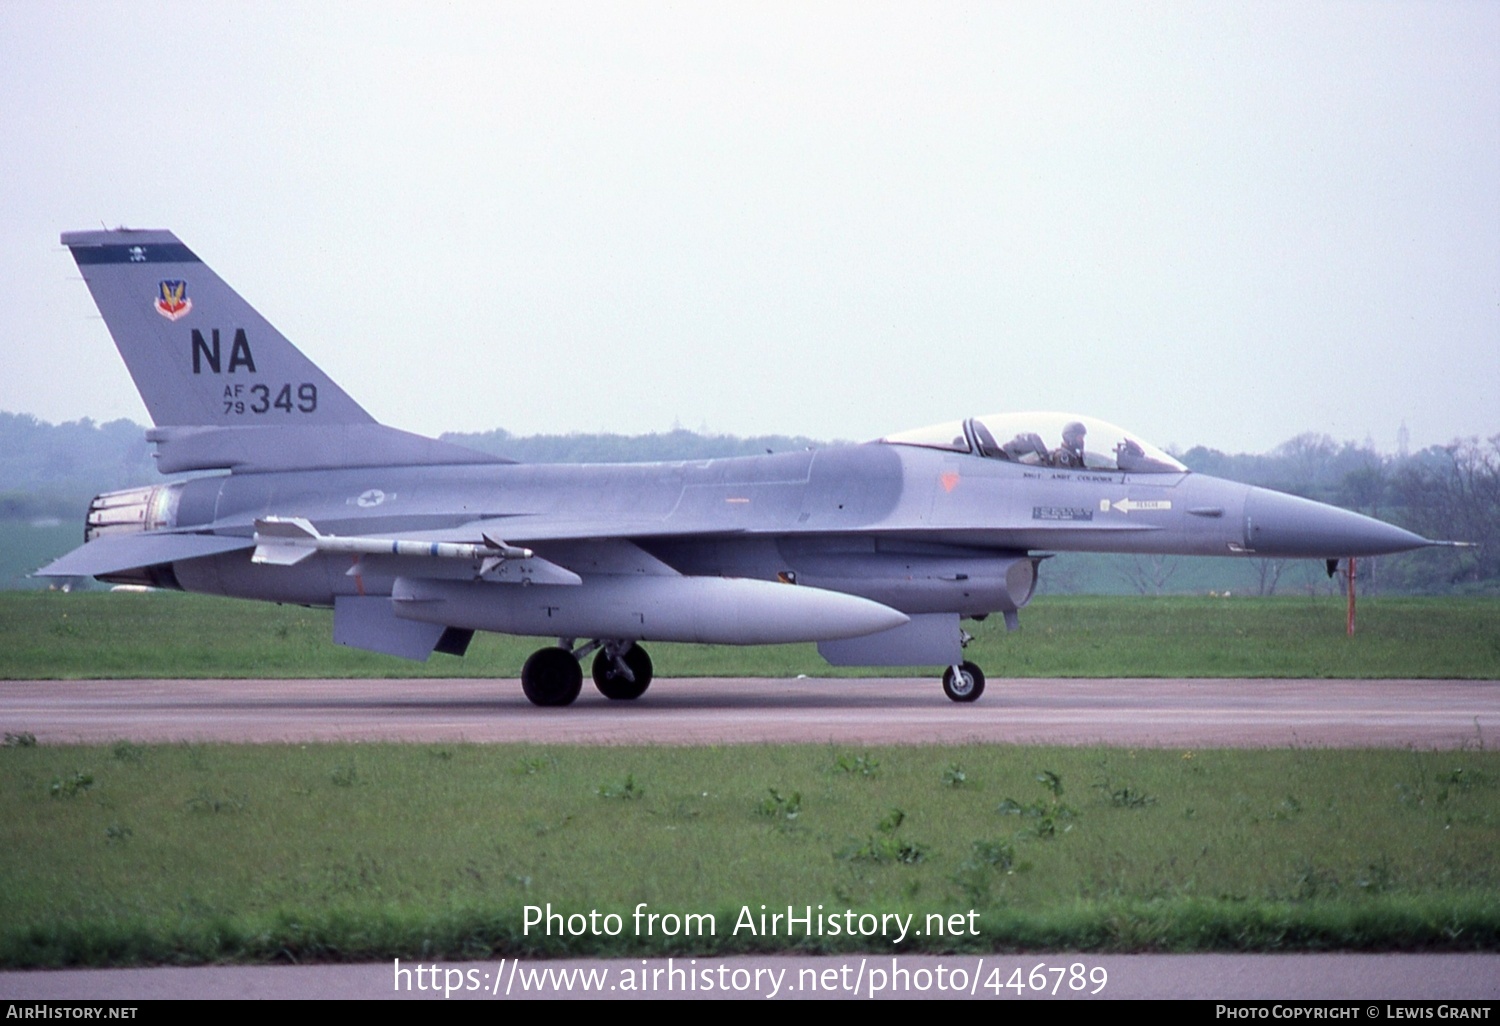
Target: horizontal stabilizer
x: 115, y: 554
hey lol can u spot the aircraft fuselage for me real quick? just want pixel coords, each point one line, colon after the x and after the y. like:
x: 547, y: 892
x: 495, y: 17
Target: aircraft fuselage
x: 918, y: 530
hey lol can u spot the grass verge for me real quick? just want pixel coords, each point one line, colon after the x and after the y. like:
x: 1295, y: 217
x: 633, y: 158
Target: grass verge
x: 101, y: 635
x: 130, y: 854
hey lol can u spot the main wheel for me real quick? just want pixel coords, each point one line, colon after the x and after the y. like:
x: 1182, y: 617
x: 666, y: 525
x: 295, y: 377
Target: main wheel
x: 963, y: 683
x: 551, y: 677
x: 613, y: 684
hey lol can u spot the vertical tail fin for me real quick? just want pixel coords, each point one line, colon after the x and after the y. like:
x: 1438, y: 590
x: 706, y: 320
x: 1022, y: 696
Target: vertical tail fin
x: 224, y: 388
x: 199, y: 354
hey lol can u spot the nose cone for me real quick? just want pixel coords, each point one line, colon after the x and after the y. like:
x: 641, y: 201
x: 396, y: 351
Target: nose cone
x: 1284, y: 525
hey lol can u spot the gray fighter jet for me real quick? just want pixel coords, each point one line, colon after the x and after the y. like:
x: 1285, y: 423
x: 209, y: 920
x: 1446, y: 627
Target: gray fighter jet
x: 877, y: 552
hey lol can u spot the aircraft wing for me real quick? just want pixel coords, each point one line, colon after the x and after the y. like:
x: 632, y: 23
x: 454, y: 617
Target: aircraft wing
x: 527, y: 527
x: 539, y: 528
x: 114, y: 554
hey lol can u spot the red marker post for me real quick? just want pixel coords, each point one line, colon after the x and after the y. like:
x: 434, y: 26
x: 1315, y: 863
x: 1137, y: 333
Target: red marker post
x: 1349, y: 624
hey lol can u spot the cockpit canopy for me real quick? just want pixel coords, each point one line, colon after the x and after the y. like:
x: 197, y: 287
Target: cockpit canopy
x: 1045, y: 440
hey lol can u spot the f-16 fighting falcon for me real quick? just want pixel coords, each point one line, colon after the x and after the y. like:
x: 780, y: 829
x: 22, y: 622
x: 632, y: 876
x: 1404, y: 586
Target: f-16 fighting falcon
x: 876, y: 552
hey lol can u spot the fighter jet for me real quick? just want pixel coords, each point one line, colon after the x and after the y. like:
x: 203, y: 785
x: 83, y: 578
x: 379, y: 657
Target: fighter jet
x: 877, y: 552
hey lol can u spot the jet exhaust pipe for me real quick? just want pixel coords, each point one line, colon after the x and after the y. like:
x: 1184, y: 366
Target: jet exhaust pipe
x: 706, y: 610
x: 133, y: 511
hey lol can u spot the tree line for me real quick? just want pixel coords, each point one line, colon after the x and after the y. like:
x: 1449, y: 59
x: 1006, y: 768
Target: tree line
x: 1444, y: 492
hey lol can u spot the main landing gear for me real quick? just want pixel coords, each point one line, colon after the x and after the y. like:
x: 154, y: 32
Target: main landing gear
x: 622, y: 670
x: 553, y: 677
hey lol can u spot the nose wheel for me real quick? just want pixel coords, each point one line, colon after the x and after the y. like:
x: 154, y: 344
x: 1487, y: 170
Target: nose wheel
x: 963, y: 683
x: 622, y: 673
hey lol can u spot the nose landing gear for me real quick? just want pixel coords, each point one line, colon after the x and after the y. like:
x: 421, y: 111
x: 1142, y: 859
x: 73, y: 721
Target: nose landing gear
x: 964, y: 682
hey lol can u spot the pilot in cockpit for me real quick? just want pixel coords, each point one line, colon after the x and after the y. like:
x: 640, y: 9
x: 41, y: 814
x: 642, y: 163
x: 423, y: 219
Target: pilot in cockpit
x: 1071, y: 452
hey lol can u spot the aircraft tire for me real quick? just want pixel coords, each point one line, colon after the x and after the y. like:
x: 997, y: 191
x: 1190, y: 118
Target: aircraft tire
x: 551, y: 677
x: 616, y: 687
x: 964, y: 686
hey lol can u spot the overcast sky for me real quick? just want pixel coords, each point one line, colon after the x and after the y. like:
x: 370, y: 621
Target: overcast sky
x: 1215, y: 223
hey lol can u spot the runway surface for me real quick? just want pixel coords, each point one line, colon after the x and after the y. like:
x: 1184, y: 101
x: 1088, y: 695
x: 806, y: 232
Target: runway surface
x: 1135, y: 713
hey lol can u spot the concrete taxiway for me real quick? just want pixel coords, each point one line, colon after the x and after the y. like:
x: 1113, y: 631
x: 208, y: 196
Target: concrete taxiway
x: 1139, y: 713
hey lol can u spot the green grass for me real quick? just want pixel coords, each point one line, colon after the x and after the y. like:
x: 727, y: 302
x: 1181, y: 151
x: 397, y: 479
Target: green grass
x: 25, y: 547
x: 56, y: 636
x: 127, y: 854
